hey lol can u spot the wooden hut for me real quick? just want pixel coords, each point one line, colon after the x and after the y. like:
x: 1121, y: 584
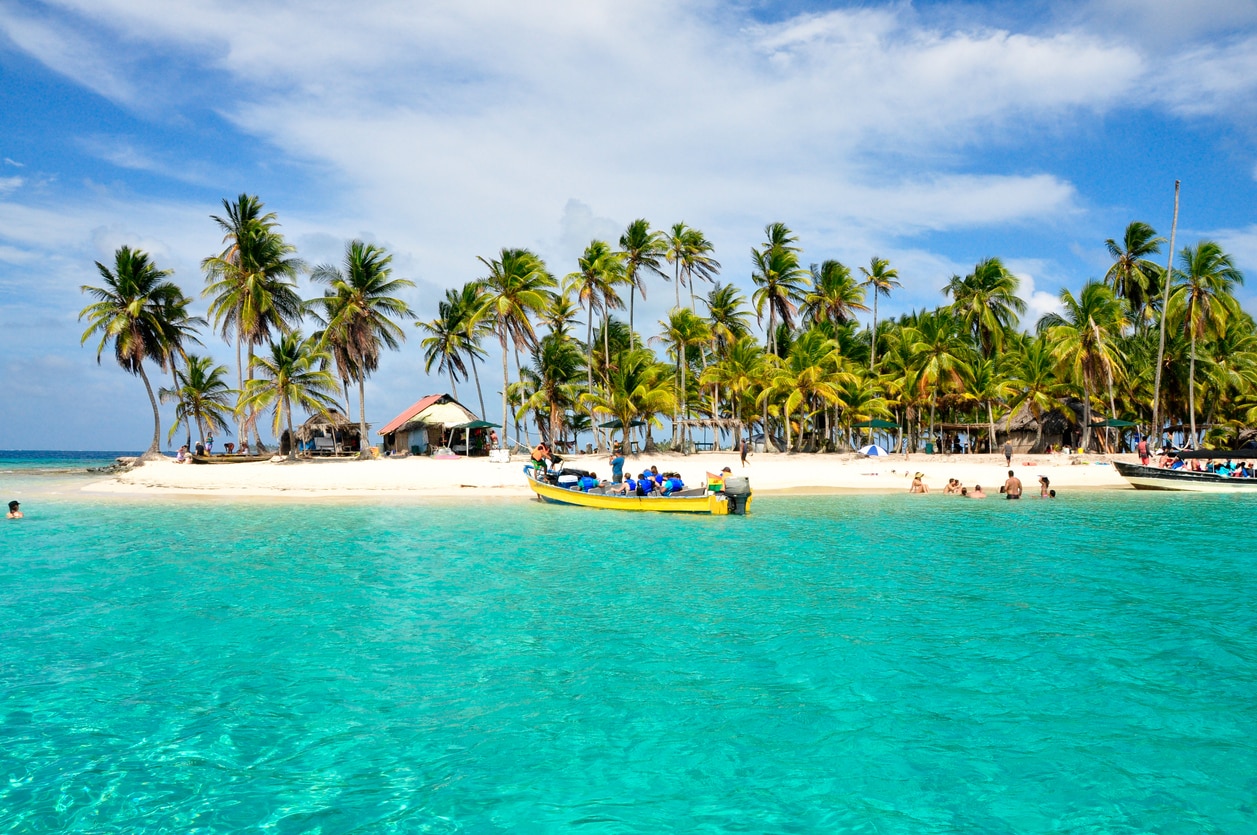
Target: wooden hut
x: 1022, y: 429
x: 422, y: 426
x: 330, y: 434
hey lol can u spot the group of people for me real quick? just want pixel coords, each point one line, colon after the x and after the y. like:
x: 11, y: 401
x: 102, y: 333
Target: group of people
x: 1011, y: 489
x: 649, y: 482
x: 1228, y: 468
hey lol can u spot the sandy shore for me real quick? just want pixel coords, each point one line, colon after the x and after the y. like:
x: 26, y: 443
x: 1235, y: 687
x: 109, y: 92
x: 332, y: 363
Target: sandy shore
x: 426, y: 477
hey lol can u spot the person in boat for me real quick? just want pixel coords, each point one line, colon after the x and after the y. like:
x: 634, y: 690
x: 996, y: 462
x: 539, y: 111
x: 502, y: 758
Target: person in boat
x: 672, y: 486
x: 1178, y: 464
x: 587, y: 482
x: 654, y: 474
x: 617, y: 465
x: 977, y: 493
x: 538, y: 454
x: 646, y: 484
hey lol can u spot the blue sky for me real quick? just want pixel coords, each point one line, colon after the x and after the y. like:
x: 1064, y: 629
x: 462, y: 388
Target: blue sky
x: 932, y: 133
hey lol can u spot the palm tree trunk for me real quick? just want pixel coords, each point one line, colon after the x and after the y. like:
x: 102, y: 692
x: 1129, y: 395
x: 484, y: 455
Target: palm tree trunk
x: 1191, y: 390
x: 364, y: 443
x: 154, y: 448
x: 787, y: 426
x: 990, y: 427
x: 677, y: 282
x: 1086, y: 418
x: 479, y: 392
x: 292, y: 437
x: 632, y: 297
x: 589, y: 367
x: 873, y: 335
x: 685, y: 405
x: 506, y: 378
x: 240, y: 431
x: 257, y: 436
x: 453, y: 384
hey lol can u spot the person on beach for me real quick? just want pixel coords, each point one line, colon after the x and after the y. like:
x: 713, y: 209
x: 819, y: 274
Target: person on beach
x: 182, y: 457
x: 244, y: 446
x: 919, y: 486
x: 209, y: 444
x: 617, y: 467
x: 746, y: 450
x: 1008, y: 453
x: 1044, y: 484
x: 14, y: 510
x: 977, y: 493
x: 1142, y: 449
x: 1012, y: 487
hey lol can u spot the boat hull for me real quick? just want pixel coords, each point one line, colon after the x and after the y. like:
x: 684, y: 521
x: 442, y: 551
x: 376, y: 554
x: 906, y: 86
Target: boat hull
x: 1159, y: 478
x: 714, y: 504
x: 229, y: 459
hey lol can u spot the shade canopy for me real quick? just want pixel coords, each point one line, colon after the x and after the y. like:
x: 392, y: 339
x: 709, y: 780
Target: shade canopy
x: 876, y: 423
x: 1115, y: 423
x: 475, y: 424
x: 616, y: 424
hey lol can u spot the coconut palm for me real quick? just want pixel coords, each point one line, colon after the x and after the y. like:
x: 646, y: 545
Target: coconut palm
x: 808, y: 377
x: 252, y: 282
x: 642, y: 251
x: 132, y: 311
x: 638, y: 388
x: 469, y: 309
x: 1133, y: 276
x: 1084, y: 342
x: 553, y: 374
x: 294, y: 373
x: 1202, y: 301
x: 359, y: 309
x: 835, y: 296
x: 986, y: 303
x: 683, y: 330
x: 689, y: 252
x: 987, y: 386
x: 518, y: 286
x: 446, y: 344
x: 940, y: 354
x: 1033, y: 378
x: 878, y: 276
x: 202, y: 396
x: 781, y: 281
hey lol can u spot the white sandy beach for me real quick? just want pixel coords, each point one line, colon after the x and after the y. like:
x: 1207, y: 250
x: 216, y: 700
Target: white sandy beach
x: 768, y: 473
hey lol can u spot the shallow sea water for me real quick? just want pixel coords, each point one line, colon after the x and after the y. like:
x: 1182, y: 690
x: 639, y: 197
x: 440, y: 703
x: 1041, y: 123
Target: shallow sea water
x: 830, y: 664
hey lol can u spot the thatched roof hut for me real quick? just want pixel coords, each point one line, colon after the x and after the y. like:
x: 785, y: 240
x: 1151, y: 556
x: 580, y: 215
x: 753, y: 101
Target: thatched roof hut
x: 342, y: 432
x: 1022, y: 429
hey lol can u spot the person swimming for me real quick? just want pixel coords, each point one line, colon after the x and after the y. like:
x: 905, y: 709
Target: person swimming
x: 14, y: 510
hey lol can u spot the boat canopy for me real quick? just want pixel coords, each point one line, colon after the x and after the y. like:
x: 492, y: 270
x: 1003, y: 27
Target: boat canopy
x: 1217, y: 454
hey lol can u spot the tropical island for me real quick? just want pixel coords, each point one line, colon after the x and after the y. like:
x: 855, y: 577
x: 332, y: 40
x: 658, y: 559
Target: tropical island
x: 1158, y: 347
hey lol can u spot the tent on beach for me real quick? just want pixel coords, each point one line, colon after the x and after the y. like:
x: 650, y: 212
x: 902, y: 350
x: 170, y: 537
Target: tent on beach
x: 423, y: 425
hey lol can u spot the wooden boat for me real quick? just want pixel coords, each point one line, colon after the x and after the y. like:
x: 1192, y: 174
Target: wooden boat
x: 230, y: 459
x: 698, y: 500
x: 1143, y: 477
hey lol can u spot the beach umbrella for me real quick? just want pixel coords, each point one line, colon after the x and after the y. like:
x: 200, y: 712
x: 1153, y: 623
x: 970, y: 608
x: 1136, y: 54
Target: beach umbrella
x: 872, y: 450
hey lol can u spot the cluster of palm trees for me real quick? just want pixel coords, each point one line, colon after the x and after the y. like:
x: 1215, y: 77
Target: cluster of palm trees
x: 816, y: 376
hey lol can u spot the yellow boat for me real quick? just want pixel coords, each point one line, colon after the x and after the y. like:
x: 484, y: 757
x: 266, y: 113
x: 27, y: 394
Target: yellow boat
x: 735, y: 501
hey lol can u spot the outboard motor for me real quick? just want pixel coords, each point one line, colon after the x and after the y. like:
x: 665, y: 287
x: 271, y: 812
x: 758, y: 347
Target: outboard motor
x: 738, y: 490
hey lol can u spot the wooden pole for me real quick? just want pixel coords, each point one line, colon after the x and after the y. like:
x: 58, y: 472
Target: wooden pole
x: 1165, y: 303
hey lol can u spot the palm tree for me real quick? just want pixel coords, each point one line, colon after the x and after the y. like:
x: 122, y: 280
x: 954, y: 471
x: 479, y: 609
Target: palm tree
x: 739, y: 370
x: 469, y: 309
x: 641, y: 250
x: 446, y: 344
x: 808, y: 376
x: 1134, y: 276
x: 637, y: 388
x: 252, y: 282
x: 987, y: 304
x: 882, y: 279
x: 132, y: 311
x: 1203, y: 301
x: 1084, y: 342
x: 593, y: 285
x: 986, y: 387
x: 683, y: 330
x: 359, y: 308
x: 517, y: 286
x: 556, y: 366
x: 202, y: 396
x: 689, y: 251
x: 940, y: 354
x: 780, y: 279
x: 294, y: 373
x: 835, y: 296
x: 1033, y: 378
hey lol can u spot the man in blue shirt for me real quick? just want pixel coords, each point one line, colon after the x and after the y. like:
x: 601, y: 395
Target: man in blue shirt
x: 617, y: 468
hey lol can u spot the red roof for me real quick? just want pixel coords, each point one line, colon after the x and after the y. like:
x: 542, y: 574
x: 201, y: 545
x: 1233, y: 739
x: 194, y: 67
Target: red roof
x: 407, y: 414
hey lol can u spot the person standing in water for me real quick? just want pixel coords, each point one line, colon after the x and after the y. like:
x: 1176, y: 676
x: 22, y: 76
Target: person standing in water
x: 14, y: 510
x: 1012, y: 487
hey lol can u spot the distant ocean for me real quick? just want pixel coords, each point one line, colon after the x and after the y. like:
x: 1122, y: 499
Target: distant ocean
x: 889, y: 663
x: 53, y: 461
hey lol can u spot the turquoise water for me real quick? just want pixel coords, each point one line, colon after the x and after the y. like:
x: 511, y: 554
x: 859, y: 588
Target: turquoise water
x: 867, y: 664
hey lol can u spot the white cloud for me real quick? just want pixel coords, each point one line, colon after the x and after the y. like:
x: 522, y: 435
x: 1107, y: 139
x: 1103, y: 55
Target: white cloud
x: 1039, y: 303
x: 8, y: 184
